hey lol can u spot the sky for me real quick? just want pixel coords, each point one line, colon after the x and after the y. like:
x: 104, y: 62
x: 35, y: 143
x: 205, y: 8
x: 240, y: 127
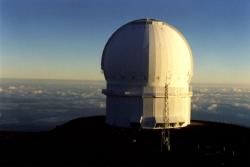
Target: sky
x: 64, y: 39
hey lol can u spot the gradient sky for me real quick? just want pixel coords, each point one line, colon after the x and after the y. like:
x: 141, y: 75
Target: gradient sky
x: 64, y: 39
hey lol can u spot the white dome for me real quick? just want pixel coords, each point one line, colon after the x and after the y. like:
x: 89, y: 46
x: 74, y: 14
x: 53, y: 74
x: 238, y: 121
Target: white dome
x: 147, y: 51
x: 145, y: 63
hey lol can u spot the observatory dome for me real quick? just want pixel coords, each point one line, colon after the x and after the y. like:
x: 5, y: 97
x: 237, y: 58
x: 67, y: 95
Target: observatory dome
x: 148, y: 66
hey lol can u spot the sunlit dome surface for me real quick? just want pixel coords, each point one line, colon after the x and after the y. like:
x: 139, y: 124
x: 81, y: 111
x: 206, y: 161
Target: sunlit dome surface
x: 147, y: 51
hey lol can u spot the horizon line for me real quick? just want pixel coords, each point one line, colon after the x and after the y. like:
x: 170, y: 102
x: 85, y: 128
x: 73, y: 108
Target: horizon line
x: 103, y: 80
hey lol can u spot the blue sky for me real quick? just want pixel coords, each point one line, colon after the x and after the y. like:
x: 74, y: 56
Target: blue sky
x: 64, y: 39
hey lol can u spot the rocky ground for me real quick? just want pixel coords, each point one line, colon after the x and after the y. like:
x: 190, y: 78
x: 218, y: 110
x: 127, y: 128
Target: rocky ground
x: 90, y: 142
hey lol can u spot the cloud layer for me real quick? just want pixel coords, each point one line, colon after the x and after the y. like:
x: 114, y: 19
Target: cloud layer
x: 219, y: 103
x: 42, y: 105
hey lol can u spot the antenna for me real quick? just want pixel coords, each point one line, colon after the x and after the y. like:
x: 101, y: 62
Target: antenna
x: 165, y: 138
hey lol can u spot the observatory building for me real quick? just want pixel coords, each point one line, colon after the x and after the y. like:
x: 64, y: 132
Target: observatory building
x: 148, y: 67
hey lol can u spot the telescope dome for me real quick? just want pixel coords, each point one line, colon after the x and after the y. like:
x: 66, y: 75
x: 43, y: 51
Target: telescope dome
x: 140, y: 61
